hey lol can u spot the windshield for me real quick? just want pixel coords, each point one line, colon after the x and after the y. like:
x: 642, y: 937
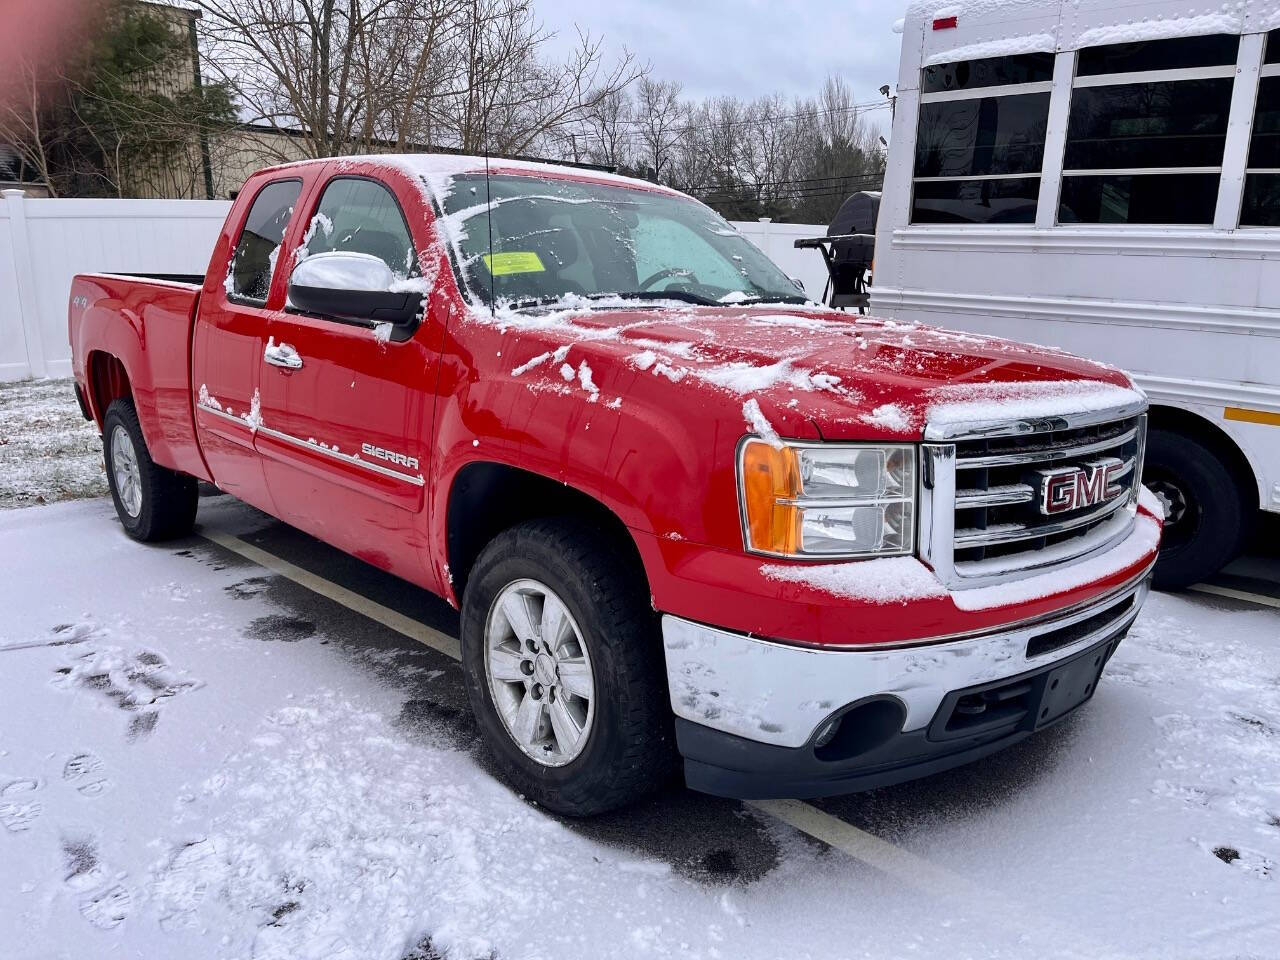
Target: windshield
x: 557, y: 238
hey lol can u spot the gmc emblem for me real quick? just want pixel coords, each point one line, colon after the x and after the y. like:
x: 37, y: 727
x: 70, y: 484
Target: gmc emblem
x: 1074, y: 488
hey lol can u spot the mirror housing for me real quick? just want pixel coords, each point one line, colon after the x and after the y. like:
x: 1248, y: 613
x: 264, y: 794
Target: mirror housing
x: 351, y: 286
x: 799, y: 284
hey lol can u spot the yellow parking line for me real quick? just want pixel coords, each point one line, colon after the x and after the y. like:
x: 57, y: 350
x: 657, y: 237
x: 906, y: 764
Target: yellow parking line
x: 872, y: 850
x: 1214, y: 589
x: 348, y: 598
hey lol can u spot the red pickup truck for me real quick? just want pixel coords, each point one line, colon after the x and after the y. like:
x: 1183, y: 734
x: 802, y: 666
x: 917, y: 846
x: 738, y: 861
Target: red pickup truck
x: 685, y: 513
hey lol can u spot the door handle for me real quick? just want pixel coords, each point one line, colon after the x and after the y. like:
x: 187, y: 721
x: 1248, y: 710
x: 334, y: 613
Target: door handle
x: 281, y: 355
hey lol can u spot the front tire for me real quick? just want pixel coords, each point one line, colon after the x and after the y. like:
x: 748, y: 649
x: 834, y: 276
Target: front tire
x: 152, y: 502
x: 1205, y: 510
x: 564, y: 668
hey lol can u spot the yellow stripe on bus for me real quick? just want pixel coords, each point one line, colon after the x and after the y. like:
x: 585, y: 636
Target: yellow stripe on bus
x: 1252, y: 416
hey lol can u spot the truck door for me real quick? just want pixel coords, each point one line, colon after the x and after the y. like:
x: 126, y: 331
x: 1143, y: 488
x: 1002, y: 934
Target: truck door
x: 347, y: 404
x: 230, y: 332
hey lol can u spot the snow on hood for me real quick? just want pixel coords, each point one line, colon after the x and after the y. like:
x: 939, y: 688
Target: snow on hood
x: 853, y: 377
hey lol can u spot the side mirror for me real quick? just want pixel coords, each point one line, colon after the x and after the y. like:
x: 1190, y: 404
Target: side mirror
x: 351, y: 286
x: 798, y: 282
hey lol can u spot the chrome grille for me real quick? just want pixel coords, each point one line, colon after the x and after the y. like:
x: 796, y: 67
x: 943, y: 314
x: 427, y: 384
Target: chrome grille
x: 984, y: 514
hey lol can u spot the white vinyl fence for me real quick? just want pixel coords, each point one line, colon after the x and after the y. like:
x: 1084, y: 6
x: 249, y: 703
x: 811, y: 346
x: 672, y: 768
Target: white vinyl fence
x: 44, y: 243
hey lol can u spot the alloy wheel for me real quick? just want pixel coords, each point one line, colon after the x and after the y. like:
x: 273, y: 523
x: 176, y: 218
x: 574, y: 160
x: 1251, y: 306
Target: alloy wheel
x: 539, y: 672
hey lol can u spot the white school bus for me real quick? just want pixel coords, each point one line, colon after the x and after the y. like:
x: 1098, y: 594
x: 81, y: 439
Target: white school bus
x: 1104, y: 177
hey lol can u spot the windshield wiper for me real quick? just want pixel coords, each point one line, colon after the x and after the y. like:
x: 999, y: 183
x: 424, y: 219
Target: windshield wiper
x: 780, y: 298
x: 681, y: 295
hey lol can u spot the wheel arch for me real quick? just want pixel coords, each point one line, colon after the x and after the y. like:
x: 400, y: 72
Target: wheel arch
x: 108, y: 381
x: 488, y: 497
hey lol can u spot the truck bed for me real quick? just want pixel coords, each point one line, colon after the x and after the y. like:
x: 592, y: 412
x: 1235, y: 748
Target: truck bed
x: 146, y: 323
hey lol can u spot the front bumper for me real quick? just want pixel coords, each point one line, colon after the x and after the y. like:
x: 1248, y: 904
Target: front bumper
x: 751, y: 714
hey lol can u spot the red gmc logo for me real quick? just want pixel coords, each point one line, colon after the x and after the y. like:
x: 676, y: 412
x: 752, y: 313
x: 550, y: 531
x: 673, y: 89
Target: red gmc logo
x: 1074, y: 488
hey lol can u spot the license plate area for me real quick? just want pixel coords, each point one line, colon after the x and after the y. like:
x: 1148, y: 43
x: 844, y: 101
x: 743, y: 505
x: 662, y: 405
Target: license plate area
x: 1070, y: 685
x: 1026, y: 702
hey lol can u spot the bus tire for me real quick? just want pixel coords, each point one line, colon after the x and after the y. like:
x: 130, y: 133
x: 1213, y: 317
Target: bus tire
x: 1205, y: 509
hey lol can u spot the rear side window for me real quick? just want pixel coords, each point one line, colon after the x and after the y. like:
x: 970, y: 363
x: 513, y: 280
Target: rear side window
x: 254, y: 260
x: 362, y: 216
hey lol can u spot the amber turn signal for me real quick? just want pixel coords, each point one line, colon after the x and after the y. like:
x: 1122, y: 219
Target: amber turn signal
x: 770, y: 474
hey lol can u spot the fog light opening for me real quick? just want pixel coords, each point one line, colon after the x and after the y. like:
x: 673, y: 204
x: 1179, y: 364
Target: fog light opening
x: 859, y: 729
x: 827, y: 733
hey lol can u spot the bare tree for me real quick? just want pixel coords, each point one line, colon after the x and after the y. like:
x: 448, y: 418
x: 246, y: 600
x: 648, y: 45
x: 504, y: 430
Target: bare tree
x: 357, y: 75
x: 607, y: 130
x: 657, y: 123
x: 24, y: 109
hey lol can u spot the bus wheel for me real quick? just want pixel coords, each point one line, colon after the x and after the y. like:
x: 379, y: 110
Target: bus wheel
x: 1204, y: 508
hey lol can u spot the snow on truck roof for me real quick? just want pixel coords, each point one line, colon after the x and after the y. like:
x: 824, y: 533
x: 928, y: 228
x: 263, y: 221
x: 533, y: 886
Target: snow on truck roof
x: 997, y: 28
x: 437, y: 168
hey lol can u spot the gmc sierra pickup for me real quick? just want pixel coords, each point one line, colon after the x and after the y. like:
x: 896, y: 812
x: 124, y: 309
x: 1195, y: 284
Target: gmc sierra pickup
x: 684, y: 512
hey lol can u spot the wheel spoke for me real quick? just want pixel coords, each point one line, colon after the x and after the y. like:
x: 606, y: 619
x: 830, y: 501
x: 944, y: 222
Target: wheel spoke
x: 555, y: 621
x: 525, y: 724
x: 565, y: 725
x: 575, y: 677
x: 504, y: 665
x: 515, y: 607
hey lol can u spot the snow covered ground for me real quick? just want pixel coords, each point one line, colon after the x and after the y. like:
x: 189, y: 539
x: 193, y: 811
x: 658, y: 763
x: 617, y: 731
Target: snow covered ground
x: 201, y: 759
x: 48, y: 451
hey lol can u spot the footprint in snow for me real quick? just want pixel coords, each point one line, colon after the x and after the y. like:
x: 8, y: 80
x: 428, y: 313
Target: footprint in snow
x: 183, y: 883
x: 104, y: 901
x: 18, y: 810
x: 80, y: 859
x: 108, y: 909
x: 83, y: 772
x: 138, y: 684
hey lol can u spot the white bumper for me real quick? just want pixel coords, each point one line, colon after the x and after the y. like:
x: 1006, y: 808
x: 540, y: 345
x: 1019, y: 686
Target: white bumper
x: 780, y: 694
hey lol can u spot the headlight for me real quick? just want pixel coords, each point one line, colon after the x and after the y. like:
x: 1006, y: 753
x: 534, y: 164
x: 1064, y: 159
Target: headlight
x: 827, y: 500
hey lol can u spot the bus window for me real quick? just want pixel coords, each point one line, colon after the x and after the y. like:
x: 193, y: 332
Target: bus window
x: 980, y: 140
x: 1261, y: 206
x: 1148, y: 149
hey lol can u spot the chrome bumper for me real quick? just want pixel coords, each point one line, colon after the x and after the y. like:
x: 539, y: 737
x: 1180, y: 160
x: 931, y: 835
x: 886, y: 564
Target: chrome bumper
x: 781, y: 694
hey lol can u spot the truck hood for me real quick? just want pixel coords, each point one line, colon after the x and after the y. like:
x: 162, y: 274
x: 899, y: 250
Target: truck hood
x: 839, y: 375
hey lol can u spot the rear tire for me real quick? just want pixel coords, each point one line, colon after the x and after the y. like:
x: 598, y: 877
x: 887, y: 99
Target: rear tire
x: 625, y: 750
x: 153, y: 502
x: 1205, y: 509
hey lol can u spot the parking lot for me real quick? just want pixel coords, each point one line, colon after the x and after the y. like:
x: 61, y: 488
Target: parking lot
x: 249, y: 744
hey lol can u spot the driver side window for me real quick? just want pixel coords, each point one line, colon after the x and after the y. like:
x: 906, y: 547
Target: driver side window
x: 362, y: 216
x: 662, y: 244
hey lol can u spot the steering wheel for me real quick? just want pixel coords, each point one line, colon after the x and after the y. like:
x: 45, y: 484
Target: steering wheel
x: 663, y: 274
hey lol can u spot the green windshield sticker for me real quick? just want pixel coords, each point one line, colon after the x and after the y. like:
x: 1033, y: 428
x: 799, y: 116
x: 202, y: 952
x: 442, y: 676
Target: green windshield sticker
x: 504, y: 264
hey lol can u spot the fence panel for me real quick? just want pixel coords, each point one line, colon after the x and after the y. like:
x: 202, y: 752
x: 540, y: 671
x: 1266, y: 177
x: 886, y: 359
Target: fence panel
x: 64, y: 237
x: 13, y: 342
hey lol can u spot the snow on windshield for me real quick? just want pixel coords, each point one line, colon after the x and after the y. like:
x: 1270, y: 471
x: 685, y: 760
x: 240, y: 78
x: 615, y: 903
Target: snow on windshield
x: 522, y: 239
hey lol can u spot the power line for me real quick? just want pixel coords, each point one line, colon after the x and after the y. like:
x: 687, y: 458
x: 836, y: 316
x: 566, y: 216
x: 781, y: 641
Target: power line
x: 866, y: 106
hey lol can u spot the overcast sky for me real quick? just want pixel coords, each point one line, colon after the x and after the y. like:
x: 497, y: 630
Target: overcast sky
x: 744, y: 47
